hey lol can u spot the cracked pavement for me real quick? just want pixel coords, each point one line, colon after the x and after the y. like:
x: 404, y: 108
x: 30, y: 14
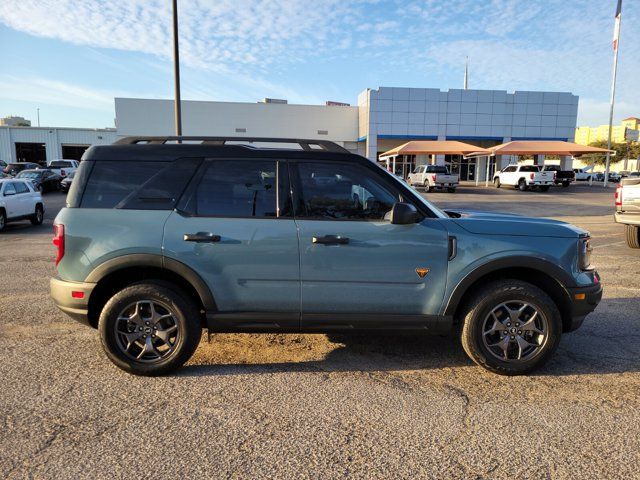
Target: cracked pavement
x: 317, y: 406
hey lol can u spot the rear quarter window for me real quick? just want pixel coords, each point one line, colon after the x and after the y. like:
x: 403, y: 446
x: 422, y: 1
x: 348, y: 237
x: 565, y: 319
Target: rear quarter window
x: 135, y: 185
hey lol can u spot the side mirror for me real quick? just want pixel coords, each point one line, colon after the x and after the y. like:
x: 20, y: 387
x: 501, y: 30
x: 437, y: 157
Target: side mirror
x: 404, y: 214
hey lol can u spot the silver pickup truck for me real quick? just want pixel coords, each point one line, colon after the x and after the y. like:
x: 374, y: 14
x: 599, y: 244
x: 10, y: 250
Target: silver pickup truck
x: 628, y: 209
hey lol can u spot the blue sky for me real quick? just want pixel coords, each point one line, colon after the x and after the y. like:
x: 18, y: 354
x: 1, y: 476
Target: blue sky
x: 70, y: 58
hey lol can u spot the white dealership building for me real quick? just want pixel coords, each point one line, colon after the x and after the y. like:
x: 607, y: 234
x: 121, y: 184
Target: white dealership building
x: 383, y: 119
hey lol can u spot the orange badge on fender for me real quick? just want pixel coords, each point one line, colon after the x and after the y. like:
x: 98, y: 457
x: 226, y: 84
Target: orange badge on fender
x: 422, y: 272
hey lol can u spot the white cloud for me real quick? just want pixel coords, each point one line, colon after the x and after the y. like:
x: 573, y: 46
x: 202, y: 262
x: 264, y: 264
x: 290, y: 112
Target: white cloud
x: 513, y: 44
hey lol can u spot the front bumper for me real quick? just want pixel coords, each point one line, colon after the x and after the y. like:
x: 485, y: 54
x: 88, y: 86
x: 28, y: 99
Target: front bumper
x: 72, y: 298
x: 627, y: 218
x: 584, y: 300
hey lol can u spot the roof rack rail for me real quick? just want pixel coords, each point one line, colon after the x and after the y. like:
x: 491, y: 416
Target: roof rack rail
x: 304, y: 143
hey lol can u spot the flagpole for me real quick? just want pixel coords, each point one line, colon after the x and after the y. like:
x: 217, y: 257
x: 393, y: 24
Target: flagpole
x: 613, y: 87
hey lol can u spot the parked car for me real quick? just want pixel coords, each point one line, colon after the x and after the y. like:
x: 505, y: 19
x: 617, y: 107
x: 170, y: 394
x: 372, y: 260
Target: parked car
x: 628, y: 209
x: 524, y: 177
x: 42, y: 180
x: 583, y: 174
x: 634, y: 175
x: 14, y: 168
x: 235, y: 238
x: 65, y: 183
x: 63, y: 167
x: 562, y: 177
x: 433, y: 176
x: 19, y: 201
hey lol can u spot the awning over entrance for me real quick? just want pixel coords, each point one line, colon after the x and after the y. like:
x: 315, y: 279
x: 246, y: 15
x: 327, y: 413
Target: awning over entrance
x: 541, y: 147
x: 434, y: 147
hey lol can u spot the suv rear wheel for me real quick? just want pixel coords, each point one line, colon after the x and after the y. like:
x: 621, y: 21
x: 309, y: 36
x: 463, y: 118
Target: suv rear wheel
x: 149, y: 329
x: 38, y: 215
x: 510, y: 327
x: 632, y: 233
x: 522, y: 185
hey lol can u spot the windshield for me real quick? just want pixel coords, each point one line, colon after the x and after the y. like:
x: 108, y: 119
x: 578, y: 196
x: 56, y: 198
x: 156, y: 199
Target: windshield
x: 28, y: 175
x: 437, y: 169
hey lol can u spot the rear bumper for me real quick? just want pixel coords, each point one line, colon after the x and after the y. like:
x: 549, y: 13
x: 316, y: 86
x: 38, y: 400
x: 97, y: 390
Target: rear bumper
x: 62, y: 293
x: 584, y: 300
x: 627, y: 218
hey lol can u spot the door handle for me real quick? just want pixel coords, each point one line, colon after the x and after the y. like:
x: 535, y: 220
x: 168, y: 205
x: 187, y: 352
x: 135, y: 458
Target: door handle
x: 331, y: 240
x: 201, y: 237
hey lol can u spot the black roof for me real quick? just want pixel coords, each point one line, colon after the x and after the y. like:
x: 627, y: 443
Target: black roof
x: 168, y: 149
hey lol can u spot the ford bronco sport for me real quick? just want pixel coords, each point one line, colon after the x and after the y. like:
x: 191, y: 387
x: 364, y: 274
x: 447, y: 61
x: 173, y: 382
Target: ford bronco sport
x: 162, y: 237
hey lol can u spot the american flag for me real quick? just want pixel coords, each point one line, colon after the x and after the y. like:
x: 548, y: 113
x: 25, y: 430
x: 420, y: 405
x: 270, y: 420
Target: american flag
x: 616, y: 29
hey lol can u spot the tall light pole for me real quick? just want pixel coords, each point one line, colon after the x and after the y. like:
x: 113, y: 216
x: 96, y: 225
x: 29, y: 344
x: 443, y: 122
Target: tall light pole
x: 38, y: 110
x: 176, y: 70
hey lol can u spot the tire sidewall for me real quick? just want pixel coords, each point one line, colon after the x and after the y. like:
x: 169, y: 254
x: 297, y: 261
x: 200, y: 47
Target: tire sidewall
x: 473, y: 328
x: 186, y: 319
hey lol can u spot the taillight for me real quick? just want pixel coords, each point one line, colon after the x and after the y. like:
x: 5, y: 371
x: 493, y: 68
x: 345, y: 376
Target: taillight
x: 58, y: 241
x: 433, y: 178
x: 618, y: 196
x: 63, y: 173
x: 531, y: 176
x: 554, y: 175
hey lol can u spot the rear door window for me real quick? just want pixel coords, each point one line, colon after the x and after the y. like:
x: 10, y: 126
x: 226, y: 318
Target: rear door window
x: 138, y: 185
x: 241, y: 189
x: 21, y: 187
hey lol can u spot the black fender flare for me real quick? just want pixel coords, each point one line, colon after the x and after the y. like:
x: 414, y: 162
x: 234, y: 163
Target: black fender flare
x: 157, y: 261
x: 562, y: 277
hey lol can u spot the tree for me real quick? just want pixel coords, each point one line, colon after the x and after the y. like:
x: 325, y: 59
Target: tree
x: 601, y: 158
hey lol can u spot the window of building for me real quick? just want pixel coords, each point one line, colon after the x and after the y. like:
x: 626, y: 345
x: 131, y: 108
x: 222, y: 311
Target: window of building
x: 342, y: 192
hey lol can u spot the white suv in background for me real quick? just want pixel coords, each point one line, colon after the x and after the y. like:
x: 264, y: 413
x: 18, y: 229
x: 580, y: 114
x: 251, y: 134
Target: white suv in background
x: 19, y: 201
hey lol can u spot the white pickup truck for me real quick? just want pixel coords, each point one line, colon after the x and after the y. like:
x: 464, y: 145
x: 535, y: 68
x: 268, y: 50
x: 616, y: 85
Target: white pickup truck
x: 628, y: 209
x: 433, y: 176
x: 583, y: 174
x: 524, y: 177
x: 63, y: 167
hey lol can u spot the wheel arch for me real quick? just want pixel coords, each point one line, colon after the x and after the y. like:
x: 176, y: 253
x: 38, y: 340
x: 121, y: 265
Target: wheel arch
x: 117, y: 273
x: 550, y: 278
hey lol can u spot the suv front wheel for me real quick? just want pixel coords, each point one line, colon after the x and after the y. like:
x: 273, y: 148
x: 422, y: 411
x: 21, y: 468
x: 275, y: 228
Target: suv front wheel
x: 511, y: 327
x: 149, y: 329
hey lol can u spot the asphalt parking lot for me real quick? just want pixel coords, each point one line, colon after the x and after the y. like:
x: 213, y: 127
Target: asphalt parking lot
x: 304, y: 406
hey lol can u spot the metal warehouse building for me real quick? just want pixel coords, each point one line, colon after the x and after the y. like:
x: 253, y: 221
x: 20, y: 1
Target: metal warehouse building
x: 39, y: 144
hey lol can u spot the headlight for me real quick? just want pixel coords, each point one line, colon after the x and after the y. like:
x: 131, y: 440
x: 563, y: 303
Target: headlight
x: 584, y: 253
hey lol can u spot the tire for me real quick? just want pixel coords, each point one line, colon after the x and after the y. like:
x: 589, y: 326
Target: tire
x: 451, y: 189
x: 496, y: 182
x: 566, y: 184
x: 632, y: 233
x: 3, y: 219
x: 478, y: 341
x: 38, y: 217
x: 544, y: 188
x: 522, y: 185
x: 133, y: 301
x: 426, y: 187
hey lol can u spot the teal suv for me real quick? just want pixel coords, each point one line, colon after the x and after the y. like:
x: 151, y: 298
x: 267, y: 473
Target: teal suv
x: 162, y: 237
